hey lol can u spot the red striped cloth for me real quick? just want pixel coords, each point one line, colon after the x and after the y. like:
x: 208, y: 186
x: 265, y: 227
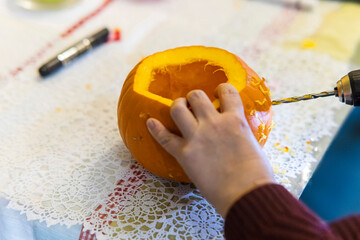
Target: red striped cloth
x: 86, y: 235
x: 129, y: 186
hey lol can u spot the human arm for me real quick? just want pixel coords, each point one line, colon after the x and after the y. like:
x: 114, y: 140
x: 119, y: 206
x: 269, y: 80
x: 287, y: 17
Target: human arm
x: 221, y: 156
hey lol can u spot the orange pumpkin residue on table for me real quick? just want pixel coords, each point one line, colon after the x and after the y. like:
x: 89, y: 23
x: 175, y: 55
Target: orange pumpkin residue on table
x: 157, y: 80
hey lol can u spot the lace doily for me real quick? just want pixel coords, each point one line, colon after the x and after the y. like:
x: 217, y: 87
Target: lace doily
x: 144, y: 206
x: 57, y: 167
x: 62, y: 159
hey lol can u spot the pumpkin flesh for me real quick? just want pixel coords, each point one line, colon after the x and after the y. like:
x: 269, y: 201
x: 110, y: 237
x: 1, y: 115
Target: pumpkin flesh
x: 176, y: 81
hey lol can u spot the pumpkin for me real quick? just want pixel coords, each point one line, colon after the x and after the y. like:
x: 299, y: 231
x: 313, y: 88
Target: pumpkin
x: 157, y: 80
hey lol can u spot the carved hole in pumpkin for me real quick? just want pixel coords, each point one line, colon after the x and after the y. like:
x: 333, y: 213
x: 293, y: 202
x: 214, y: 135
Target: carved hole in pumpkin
x: 176, y: 81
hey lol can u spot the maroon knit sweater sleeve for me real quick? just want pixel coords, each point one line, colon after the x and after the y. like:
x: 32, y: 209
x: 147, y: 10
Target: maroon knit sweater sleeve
x: 270, y: 212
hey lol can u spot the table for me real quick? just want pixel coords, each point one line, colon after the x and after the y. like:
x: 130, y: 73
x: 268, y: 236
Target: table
x: 61, y: 158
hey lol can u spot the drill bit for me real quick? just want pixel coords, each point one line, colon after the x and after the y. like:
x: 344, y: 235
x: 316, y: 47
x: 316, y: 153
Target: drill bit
x: 304, y: 97
x: 347, y: 90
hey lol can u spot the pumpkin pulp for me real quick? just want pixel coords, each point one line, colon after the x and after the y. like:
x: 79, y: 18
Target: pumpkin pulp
x: 176, y: 81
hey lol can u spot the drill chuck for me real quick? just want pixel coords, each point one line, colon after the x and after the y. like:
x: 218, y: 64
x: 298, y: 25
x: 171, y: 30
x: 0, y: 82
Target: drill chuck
x: 348, y: 88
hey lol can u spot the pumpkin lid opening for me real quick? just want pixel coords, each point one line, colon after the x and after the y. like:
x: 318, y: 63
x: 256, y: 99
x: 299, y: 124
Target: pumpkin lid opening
x: 168, y: 75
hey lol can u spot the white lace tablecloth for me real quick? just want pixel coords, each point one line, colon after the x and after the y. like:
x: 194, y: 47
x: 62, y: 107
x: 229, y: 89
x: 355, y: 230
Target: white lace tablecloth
x: 61, y: 157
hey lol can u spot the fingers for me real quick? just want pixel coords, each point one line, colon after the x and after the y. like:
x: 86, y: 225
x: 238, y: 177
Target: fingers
x: 169, y: 141
x: 200, y: 104
x: 183, y: 117
x: 229, y: 98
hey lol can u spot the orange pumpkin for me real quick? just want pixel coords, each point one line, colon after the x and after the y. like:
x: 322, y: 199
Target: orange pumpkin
x: 157, y: 80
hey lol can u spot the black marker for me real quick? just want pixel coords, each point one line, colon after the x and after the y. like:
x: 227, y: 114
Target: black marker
x: 74, y: 51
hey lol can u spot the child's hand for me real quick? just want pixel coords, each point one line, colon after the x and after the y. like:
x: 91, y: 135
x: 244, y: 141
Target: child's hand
x: 218, y: 150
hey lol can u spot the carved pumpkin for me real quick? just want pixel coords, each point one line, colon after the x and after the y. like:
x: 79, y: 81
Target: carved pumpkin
x: 157, y: 80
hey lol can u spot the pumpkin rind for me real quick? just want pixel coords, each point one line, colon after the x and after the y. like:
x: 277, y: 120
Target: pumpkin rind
x: 136, y: 106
